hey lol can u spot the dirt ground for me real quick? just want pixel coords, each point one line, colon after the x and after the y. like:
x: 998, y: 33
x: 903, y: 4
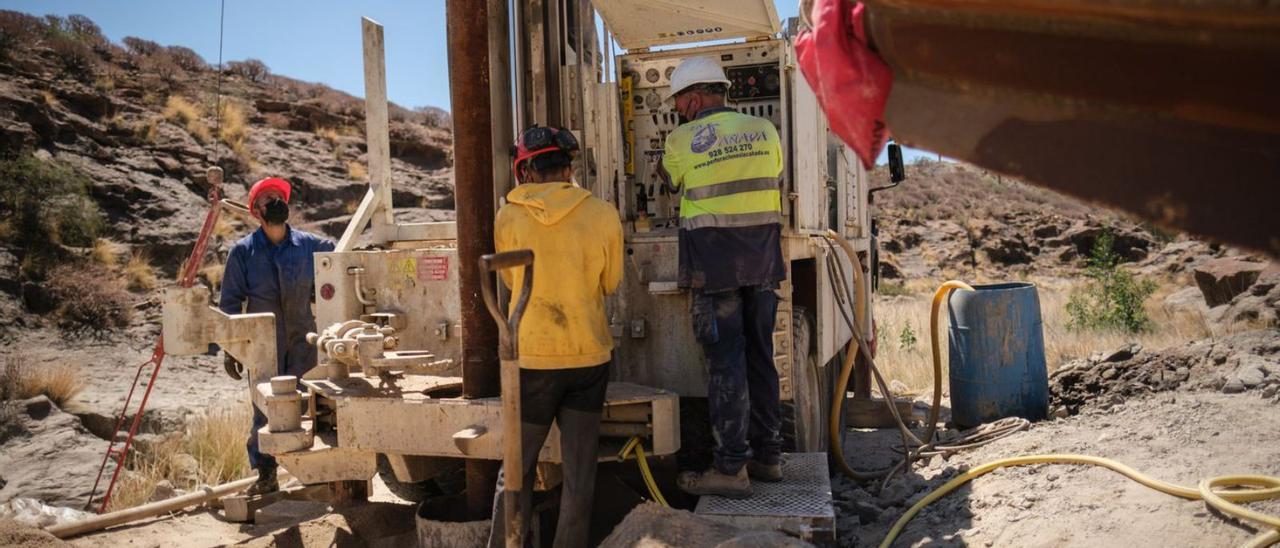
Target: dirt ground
x: 1179, y: 437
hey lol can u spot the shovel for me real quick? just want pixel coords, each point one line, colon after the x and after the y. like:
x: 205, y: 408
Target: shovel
x: 508, y: 352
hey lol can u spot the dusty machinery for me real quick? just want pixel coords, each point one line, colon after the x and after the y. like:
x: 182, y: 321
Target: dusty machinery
x: 392, y: 300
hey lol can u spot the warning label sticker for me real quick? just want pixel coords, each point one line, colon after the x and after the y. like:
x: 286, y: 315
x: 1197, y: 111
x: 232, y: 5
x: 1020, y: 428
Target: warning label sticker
x: 433, y: 269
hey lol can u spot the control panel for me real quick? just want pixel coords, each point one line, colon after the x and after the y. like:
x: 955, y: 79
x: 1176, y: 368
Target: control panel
x: 755, y: 82
x: 756, y: 89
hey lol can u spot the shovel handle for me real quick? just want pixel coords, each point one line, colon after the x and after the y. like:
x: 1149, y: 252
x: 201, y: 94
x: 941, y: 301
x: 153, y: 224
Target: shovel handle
x: 509, y: 327
x: 494, y: 262
x: 508, y: 350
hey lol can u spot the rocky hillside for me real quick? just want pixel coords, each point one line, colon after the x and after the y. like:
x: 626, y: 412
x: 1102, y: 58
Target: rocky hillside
x: 138, y: 120
x: 955, y: 220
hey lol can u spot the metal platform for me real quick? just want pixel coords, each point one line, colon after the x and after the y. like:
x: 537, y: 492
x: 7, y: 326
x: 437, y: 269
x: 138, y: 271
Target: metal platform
x: 799, y: 505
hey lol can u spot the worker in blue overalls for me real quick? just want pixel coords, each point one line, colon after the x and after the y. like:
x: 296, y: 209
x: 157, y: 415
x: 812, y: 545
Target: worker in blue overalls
x: 272, y: 270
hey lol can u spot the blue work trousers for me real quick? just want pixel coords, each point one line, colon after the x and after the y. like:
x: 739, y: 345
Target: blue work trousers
x: 735, y: 328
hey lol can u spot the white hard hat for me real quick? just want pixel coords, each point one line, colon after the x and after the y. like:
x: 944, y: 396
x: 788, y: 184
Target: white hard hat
x: 695, y: 70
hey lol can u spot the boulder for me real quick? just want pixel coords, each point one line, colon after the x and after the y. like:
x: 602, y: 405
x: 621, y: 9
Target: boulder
x: 1250, y: 374
x: 1260, y: 304
x: 1187, y: 299
x: 1007, y: 250
x: 1120, y: 354
x: 1046, y: 231
x: 1129, y: 243
x: 51, y: 457
x: 1220, y: 280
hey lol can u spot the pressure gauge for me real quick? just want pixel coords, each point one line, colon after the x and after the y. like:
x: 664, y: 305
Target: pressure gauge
x: 652, y: 100
x: 652, y: 75
x: 669, y: 71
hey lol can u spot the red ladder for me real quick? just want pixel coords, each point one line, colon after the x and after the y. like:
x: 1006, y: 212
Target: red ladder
x: 185, y: 279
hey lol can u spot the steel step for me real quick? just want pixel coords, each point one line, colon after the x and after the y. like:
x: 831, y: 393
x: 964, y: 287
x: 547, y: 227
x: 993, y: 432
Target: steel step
x: 799, y: 505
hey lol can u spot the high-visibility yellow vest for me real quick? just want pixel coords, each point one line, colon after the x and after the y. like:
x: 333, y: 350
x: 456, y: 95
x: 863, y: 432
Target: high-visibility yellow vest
x: 728, y: 165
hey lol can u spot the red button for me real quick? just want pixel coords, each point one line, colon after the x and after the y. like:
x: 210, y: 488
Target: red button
x: 326, y: 291
x: 751, y: 80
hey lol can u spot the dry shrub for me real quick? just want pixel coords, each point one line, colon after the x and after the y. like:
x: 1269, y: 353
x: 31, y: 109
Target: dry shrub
x: 105, y: 83
x: 232, y: 126
x: 17, y: 30
x: 233, y: 129
x: 89, y: 297
x: 140, y: 46
x: 251, y: 69
x: 217, y: 443
x: 139, y: 275
x: 163, y: 66
x: 75, y: 58
x: 225, y: 227
x: 328, y: 134
x: 60, y: 383
x: 144, y: 470
x: 213, y: 275
x: 83, y: 29
x: 50, y: 100
x: 181, y: 112
x: 107, y: 252
x: 147, y: 130
x: 356, y: 171
x: 214, y: 441
x: 186, y: 58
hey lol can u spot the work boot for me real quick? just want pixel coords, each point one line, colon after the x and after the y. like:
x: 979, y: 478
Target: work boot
x: 713, y: 482
x: 771, y: 473
x: 266, y: 482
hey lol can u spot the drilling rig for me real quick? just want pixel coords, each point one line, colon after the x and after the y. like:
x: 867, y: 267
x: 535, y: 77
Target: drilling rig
x: 406, y: 383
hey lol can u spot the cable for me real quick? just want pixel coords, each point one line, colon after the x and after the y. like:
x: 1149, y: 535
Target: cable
x: 217, y: 100
x: 1209, y: 490
x: 635, y: 446
x: 913, y: 447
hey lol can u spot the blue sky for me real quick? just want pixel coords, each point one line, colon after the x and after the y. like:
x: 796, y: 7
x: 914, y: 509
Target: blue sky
x: 317, y: 41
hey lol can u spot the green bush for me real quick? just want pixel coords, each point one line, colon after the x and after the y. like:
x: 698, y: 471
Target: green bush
x: 1113, y: 298
x: 44, y: 203
x: 907, y: 337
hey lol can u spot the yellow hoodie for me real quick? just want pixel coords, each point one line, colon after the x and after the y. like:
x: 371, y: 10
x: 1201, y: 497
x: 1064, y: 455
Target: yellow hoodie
x: 577, y: 259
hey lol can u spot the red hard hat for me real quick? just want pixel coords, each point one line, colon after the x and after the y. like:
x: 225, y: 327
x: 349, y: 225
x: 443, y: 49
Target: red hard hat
x: 539, y: 140
x: 270, y: 183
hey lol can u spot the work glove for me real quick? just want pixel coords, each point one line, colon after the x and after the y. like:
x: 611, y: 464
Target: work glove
x: 234, y: 368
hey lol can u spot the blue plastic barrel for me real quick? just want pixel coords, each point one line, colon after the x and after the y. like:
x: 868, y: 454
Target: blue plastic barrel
x: 997, y: 354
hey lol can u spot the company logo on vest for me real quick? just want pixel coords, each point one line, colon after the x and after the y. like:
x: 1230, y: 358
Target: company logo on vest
x: 704, y: 137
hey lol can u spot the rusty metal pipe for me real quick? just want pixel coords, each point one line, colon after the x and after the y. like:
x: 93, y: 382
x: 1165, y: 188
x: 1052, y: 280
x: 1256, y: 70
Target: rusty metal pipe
x: 120, y: 517
x: 467, y: 29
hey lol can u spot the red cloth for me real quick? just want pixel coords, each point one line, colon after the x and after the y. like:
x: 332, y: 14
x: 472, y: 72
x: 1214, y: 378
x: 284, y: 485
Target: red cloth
x: 851, y: 81
x: 269, y: 183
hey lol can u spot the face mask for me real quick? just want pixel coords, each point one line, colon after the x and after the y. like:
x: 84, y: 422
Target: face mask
x: 277, y: 212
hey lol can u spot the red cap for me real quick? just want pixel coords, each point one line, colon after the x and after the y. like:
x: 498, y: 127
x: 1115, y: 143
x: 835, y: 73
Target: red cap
x: 270, y: 183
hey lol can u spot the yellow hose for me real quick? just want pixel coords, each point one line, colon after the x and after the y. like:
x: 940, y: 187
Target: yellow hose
x: 1210, y: 490
x: 1261, y: 488
x: 857, y: 344
x: 635, y: 446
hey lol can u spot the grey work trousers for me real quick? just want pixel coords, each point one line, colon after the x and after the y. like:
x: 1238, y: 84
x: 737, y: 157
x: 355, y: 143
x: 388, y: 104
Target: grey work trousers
x: 574, y: 398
